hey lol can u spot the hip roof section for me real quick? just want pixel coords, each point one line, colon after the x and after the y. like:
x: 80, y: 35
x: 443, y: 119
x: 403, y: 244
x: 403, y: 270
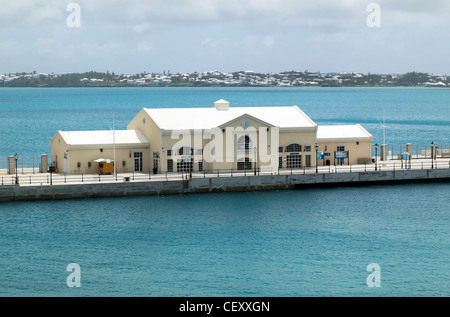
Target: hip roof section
x: 106, y: 138
x: 343, y: 132
x: 207, y: 118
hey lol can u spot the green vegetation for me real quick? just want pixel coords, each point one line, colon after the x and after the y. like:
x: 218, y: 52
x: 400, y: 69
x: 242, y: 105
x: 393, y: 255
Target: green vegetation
x: 217, y: 79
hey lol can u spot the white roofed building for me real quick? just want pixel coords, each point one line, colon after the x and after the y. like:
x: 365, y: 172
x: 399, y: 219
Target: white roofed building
x: 344, y: 144
x: 218, y: 137
x: 81, y: 151
x: 227, y: 138
x: 334, y: 133
x: 104, y: 139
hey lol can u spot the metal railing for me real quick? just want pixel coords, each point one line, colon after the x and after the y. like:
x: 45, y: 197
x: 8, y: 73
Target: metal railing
x: 57, y: 178
x: 24, y: 163
x: 419, y: 151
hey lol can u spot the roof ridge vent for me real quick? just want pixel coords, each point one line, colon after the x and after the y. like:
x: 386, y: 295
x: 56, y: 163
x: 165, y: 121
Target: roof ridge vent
x: 222, y: 105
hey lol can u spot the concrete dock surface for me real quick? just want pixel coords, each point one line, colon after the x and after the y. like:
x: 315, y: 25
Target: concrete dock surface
x: 32, y: 177
x: 45, y: 186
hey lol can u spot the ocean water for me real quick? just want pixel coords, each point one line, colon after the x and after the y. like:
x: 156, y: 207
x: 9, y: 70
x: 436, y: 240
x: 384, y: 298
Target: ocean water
x: 314, y: 242
x: 30, y: 117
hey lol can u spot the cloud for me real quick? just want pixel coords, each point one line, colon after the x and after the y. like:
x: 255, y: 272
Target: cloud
x: 423, y: 14
x: 240, y: 33
x: 47, y: 46
x: 144, y: 46
x: 268, y: 40
x: 209, y: 43
x: 9, y: 48
x: 26, y: 13
x: 141, y: 27
x: 139, y: 14
x: 99, y: 49
x: 44, y: 14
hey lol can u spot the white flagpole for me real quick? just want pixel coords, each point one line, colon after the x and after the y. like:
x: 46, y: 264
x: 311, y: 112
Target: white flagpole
x: 384, y: 126
x: 114, y: 142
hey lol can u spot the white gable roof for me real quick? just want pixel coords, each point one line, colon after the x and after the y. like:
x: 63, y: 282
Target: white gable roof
x: 207, y: 118
x: 104, y: 138
x: 343, y: 132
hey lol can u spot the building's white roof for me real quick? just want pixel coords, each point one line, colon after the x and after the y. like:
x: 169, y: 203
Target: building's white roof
x: 342, y: 132
x: 207, y: 118
x: 104, y: 138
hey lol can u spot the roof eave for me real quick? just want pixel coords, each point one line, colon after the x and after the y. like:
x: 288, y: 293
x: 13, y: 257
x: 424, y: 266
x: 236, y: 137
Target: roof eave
x: 108, y: 146
x: 345, y: 139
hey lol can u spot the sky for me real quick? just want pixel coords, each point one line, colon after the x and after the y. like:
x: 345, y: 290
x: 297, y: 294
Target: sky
x: 135, y: 36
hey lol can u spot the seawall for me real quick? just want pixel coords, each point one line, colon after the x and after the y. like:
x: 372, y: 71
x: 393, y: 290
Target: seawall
x: 220, y: 184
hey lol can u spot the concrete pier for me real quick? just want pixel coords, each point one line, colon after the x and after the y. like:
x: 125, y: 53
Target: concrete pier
x: 219, y: 184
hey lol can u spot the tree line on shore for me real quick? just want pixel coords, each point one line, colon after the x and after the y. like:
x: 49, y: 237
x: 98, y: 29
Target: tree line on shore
x: 215, y: 79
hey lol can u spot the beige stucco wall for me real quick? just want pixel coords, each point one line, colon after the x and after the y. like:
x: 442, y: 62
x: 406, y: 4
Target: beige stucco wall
x: 266, y: 157
x: 188, y: 138
x: 260, y: 134
x: 58, y: 147
x: 303, y: 138
x: 83, y: 156
x: 143, y: 122
x: 122, y: 154
x: 361, y: 150
x: 224, y: 158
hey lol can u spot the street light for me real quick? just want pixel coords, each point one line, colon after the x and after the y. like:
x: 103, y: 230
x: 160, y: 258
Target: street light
x: 254, y: 159
x: 191, y: 163
x: 317, y: 148
x: 376, y: 155
x: 433, y: 154
x: 16, y: 156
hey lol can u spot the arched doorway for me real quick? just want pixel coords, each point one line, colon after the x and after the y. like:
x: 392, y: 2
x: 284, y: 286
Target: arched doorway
x: 244, y: 163
x: 185, y: 164
x: 294, y: 157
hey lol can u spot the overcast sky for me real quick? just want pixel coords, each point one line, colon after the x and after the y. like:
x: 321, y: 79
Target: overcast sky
x: 228, y: 35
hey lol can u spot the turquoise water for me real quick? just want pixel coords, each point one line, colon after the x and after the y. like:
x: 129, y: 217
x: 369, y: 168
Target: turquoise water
x: 315, y: 242
x: 30, y: 117
x: 281, y: 243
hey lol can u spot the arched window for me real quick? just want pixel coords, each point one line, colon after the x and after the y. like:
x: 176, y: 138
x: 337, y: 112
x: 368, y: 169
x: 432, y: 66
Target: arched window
x: 185, y: 150
x: 244, y: 143
x: 294, y: 147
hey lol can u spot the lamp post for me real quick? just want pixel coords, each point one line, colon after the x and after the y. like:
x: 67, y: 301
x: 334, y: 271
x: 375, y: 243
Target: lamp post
x: 16, y: 157
x: 316, y: 148
x: 254, y: 159
x: 376, y: 156
x: 433, y: 154
x: 191, y: 163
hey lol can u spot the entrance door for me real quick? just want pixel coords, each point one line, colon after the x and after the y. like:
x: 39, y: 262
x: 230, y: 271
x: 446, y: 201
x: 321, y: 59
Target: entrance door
x: 184, y: 165
x: 294, y: 161
x: 244, y: 164
x: 138, y: 161
x: 155, y: 162
x: 340, y: 161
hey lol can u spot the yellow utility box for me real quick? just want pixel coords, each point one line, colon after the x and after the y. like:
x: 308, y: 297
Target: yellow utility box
x: 105, y: 168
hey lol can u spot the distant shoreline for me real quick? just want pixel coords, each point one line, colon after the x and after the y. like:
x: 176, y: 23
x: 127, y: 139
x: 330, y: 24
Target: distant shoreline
x: 174, y: 86
x: 219, y: 79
